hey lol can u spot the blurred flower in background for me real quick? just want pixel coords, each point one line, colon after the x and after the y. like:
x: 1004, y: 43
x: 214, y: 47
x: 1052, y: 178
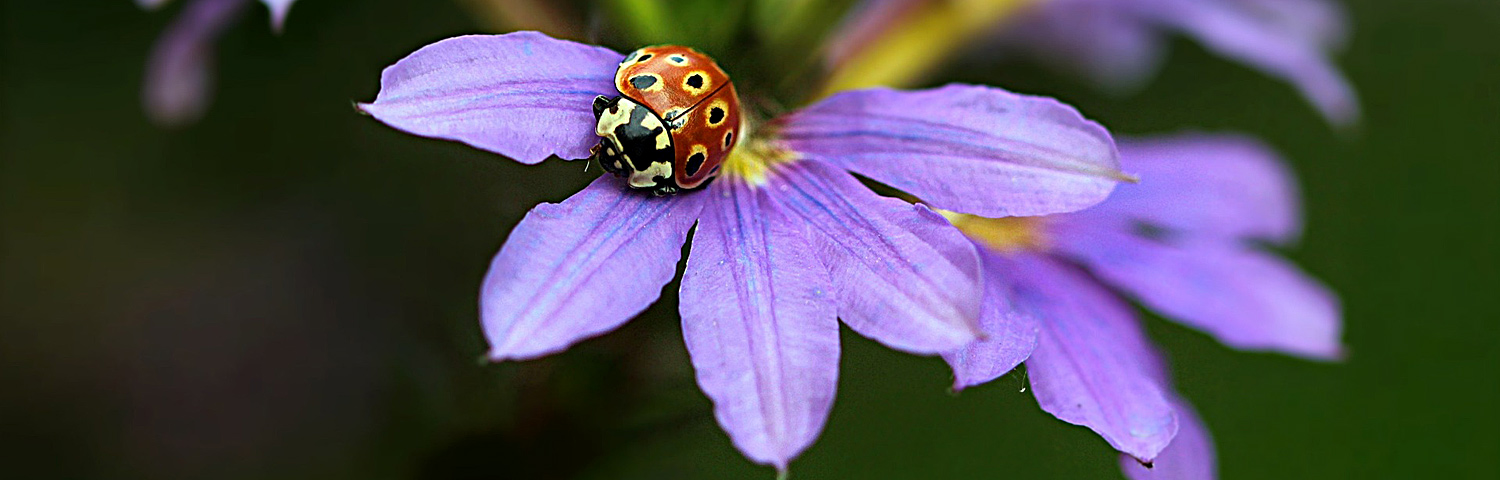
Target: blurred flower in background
x: 1185, y: 242
x: 1117, y: 44
x: 178, y: 86
x: 787, y: 243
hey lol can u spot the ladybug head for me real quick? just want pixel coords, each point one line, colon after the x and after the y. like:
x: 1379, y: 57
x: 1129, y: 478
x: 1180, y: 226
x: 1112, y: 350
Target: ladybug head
x: 633, y: 142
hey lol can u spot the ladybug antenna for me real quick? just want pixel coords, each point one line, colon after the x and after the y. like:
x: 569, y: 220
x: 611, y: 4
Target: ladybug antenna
x: 696, y: 104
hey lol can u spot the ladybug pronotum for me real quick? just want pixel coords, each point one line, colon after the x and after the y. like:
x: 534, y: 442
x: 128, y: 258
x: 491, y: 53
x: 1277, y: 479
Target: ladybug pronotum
x: 677, y: 117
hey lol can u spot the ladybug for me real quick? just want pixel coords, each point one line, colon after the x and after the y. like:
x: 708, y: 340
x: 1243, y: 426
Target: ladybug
x: 677, y: 117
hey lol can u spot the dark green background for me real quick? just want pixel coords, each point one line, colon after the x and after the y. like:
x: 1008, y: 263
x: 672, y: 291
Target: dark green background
x: 287, y: 289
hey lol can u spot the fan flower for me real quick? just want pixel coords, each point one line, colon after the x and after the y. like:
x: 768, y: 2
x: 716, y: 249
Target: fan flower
x: 787, y: 241
x: 1120, y: 43
x: 1184, y: 242
x: 179, y: 72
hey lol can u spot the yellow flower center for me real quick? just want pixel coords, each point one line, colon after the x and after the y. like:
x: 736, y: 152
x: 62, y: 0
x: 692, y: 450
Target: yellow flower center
x: 753, y: 159
x: 1004, y: 235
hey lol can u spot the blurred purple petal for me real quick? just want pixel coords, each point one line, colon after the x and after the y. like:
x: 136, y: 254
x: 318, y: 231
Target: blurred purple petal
x: 1240, y: 30
x: 179, y: 72
x: 902, y: 274
x: 1246, y: 298
x: 279, y: 9
x: 1190, y: 456
x: 1087, y: 38
x: 522, y: 95
x: 1010, y: 335
x: 1118, y: 42
x: 966, y: 148
x: 759, y: 322
x: 1092, y: 365
x: 1225, y: 186
x: 1315, y: 22
x: 582, y: 267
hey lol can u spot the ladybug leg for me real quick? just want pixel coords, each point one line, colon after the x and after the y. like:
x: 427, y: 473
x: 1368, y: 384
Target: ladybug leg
x: 665, y: 187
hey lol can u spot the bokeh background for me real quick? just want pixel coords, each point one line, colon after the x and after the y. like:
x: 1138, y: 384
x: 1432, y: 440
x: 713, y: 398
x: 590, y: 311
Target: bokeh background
x: 287, y: 289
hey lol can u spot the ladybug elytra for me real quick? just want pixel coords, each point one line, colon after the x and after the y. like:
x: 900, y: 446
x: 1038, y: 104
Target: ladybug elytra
x: 676, y: 119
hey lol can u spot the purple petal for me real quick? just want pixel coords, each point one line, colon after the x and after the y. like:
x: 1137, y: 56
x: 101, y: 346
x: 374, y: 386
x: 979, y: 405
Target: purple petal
x: 1092, y: 365
x: 966, y: 148
x: 902, y: 274
x: 1244, y: 31
x: 1010, y: 335
x: 1088, y: 38
x: 1246, y: 298
x: 279, y: 9
x: 1315, y: 22
x: 179, y: 72
x: 1225, y: 186
x: 581, y: 268
x: 1113, y: 40
x: 522, y: 95
x: 1190, y: 456
x: 760, y: 324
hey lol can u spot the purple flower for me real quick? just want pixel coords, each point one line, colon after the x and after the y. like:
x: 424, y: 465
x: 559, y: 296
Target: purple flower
x: 179, y: 73
x: 1184, y: 242
x: 786, y: 240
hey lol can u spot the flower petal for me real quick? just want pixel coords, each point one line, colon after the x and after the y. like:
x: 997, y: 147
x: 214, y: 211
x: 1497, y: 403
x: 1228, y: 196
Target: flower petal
x: 1226, y: 186
x: 903, y: 275
x: 1190, y: 456
x: 1243, y: 31
x: 1246, y: 298
x: 581, y: 268
x: 966, y: 148
x: 1010, y: 335
x: 279, y: 9
x: 523, y: 95
x: 1087, y: 38
x: 759, y: 322
x: 179, y: 72
x: 1092, y: 365
x: 1290, y: 39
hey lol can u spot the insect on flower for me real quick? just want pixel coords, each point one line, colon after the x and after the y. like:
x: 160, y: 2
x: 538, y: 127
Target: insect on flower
x: 786, y: 243
x: 673, y: 122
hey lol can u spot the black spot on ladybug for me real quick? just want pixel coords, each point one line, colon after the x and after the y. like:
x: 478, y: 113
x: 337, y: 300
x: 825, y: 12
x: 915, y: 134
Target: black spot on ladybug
x: 695, y: 81
x: 643, y: 58
x: 631, y: 57
x: 694, y: 163
x: 642, y: 82
x: 677, y: 59
x: 728, y: 138
x: 715, y: 115
x: 715, y: 170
